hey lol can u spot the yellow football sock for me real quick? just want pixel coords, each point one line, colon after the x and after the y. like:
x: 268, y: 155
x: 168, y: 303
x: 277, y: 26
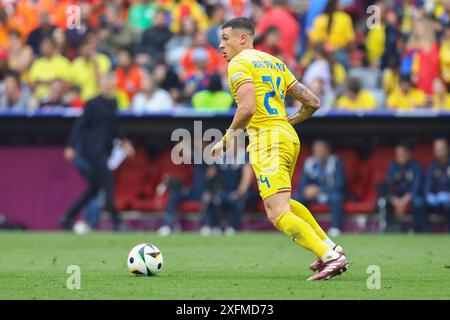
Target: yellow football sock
x: 302, y: 233
x: 302, y: 212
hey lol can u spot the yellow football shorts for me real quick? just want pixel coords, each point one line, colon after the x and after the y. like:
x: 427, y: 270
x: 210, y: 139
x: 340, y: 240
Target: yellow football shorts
x: 274, y: 166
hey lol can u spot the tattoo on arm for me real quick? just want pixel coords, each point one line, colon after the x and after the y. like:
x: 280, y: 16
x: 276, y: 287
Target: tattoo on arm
x: 310, y: 103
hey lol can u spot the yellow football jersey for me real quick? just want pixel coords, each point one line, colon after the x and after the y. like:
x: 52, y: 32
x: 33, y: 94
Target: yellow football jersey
x: 272, y: 81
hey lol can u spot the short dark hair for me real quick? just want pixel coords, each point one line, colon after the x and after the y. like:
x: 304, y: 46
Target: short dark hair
x: 126, y: 51
x: 272, y: 29
x: 75, y: 88
x: 161, y: 11
x: 404, y: 145
x: 354, y: 84
x: 15, y: 32
x: 436, y: 138
x: 279, y: 3
x: 240, y: 23
x: 50, y: 40
x: 406, y: 77
x: 15, y: 76
x: 215, y: 83
x: 325, y: 141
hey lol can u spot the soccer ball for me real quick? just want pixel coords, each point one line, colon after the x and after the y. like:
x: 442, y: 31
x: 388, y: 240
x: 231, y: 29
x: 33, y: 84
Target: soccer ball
x: 145, y: 259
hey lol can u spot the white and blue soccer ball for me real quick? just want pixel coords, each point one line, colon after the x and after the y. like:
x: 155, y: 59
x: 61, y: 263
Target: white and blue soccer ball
x: 145, y: 259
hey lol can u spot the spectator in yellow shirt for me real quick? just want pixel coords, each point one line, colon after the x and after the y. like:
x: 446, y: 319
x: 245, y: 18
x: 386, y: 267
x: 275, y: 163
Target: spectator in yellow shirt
x: 406, y: 97
x: 376, y: 38
x: 20, y: 55
x: 49, y: 67
x: 441, y: 98
x: 391, y: 75
x: 375, y: 41
x: 355, y: 98
x: 334, y: 28
x: 87, y: 69
x: 190, y: 8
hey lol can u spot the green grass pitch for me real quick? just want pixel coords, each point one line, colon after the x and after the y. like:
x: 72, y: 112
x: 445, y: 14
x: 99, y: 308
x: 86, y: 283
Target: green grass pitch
x: 246, y: 266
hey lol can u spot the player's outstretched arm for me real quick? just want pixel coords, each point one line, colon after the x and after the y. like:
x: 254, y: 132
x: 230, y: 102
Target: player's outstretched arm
x: 310, y: 103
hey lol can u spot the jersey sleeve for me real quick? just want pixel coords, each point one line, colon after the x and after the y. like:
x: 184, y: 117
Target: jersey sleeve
x: 289, y: 80
x: 239, y: 72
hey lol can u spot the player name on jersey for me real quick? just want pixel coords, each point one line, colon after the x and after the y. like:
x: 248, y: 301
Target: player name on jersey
x: 269, y: 65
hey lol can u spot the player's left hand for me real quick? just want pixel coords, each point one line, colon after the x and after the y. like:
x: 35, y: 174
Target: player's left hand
x: 290, y: 119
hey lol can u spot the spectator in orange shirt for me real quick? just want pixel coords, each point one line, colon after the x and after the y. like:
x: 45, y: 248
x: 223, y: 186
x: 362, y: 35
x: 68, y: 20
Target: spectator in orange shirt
x: 58, y: 12
x: 10, y: 22
x: 4, y: 29
x: 270, y: 42
x: 200, y: 78
x: 238, y: 8
x: 280, y: 17
x: 28, y: 14
x: 215, y: 62
x: 129, y: 76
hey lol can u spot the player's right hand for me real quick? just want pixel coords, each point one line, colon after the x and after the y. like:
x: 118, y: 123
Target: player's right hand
x: 69, y: 153
x: 128, y: 146
x: 218, y: 149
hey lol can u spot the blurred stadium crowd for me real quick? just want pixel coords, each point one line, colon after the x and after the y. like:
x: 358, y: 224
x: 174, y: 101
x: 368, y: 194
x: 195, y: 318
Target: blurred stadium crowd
x: 165, y: 52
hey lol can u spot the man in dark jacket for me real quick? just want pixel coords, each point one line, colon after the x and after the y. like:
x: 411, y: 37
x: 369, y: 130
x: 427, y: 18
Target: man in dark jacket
x: 44, y: 30
x: 404, y: 182
x: 228, y: 186
x: 437, y: 182
x: 155, y: 38
x: 323, y: 181
x: 96, y: 131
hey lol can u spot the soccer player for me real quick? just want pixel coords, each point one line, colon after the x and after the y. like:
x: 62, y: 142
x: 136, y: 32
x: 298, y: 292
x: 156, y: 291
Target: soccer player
x: 259, y: 83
